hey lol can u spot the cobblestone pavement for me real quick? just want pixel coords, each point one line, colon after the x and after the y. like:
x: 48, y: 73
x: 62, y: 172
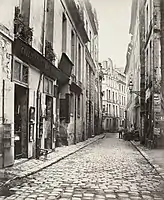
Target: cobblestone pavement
x: 108, y: 169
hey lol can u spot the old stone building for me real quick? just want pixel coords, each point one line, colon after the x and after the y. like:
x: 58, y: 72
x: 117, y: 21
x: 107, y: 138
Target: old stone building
x: 148, y: 25
x: 92, y: 71
x: 132, y: 69
x: 114, y: 96
x: 43, y: 76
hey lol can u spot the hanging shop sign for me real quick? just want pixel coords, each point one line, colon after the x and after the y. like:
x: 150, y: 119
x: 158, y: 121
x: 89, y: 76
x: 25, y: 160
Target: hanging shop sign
x: 157, y: 103
x: 156, y: 131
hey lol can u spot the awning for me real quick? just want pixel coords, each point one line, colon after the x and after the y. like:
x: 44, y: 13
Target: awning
x: 75, y: 88
x: 29, y: 55
x: 65, y: 65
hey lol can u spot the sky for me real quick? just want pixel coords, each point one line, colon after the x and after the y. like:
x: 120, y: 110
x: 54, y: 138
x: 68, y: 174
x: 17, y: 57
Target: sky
x: 114, y: 21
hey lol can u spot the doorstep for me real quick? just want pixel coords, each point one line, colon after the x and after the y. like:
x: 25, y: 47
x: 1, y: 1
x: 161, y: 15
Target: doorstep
x: 153, y: 156
x: 28, y: 167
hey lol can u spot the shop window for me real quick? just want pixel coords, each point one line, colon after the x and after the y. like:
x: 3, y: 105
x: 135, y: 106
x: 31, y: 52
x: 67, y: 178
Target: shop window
x: 48, y: 86
x: 25, y: 74
x: 20, y: 72
x: 17, y: 71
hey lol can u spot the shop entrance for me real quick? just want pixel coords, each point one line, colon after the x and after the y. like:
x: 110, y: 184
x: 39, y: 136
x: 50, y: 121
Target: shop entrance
x: 49, y: 122
x: 20, y: 122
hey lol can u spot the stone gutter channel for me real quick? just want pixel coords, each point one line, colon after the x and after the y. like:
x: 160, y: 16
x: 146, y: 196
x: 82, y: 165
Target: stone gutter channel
x: 157, y: 168
x: 53, y: 158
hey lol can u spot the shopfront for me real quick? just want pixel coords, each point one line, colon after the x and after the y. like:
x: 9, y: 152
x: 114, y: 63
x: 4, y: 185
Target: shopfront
x: 35, y: 100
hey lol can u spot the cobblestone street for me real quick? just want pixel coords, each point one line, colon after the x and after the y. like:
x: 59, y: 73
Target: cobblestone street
x: 110, y: 168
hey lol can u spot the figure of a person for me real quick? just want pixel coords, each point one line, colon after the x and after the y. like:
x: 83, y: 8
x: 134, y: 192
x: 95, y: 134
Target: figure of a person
x: 120, y: 131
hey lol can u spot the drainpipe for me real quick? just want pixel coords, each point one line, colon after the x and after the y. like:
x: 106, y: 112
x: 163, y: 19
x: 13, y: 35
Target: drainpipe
x: 75, y: 122
x: 37, y: 117
x: 44, y: 28
x: 3, y: 120
x: 40, y: 79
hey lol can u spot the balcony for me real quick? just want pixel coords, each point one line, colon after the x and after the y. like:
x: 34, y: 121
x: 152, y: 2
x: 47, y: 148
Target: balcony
x: 20, y: 29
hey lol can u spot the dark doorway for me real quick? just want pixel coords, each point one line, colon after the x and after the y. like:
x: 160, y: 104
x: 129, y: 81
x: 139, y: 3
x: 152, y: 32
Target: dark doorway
x: 90, y: 120
x: 49, y: 122
x: 20, y: 122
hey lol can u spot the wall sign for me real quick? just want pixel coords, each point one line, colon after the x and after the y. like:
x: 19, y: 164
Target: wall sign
x: 30, y: 56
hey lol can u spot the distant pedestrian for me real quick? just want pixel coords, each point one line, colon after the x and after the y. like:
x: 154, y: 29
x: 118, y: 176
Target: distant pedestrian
x: 120, y: 130
x: 131, y: 128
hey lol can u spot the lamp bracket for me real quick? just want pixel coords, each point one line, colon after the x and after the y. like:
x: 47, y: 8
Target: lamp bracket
x: 136, y: 92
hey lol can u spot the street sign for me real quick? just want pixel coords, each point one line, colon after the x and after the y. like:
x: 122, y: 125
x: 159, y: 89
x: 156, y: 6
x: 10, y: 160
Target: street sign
x: 156, y: 131
x: 157, y: 103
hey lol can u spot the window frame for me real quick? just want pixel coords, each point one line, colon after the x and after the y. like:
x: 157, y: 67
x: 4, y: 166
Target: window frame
x: 52, y: 88
x: 22, y: 64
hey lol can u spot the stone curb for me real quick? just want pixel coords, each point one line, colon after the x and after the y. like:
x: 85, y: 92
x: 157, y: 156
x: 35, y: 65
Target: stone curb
x: 51, y: 162
x: 157, y: 168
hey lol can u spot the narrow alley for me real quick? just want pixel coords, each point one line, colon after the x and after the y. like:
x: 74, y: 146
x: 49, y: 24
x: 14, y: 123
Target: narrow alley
x: 110, y: 168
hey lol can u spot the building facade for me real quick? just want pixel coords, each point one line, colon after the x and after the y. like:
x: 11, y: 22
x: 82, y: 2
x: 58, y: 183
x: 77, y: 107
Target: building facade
x: 148, y: 22
x: 43, y: 76
x: 114, y: 96
x: 93, y: 111
x: 132, y: 69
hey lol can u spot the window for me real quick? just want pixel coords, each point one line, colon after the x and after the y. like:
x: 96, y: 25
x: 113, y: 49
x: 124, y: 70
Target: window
x: 25, y: 74
x: 109, y: 94
x: 113, y: 110
x: 103, y: 108
x: 48, y: 86
x: 116, y: 112
x: 147, y: 17
x: 20, y: 72
x: 109, y: 109
x: 72, y: 46
x: 87, y: 27
x: 106, y: 94
x: 113, y: 96
x: 64, y: 33
x: 72, y: 103
x: 78, y: 106
x: 147, y: 63
x: 90, y: 37
x: 79, y: 62
x: 17, y: 71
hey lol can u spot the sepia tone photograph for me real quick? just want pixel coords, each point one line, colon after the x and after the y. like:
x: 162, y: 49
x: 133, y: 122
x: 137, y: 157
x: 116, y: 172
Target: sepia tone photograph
x: 81, y: 99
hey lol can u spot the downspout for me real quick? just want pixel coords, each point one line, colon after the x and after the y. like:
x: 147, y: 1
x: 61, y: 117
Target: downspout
x: 3, y: 120
x: 38, y: 88
x: 37, y: 118
x: 75, y: 122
